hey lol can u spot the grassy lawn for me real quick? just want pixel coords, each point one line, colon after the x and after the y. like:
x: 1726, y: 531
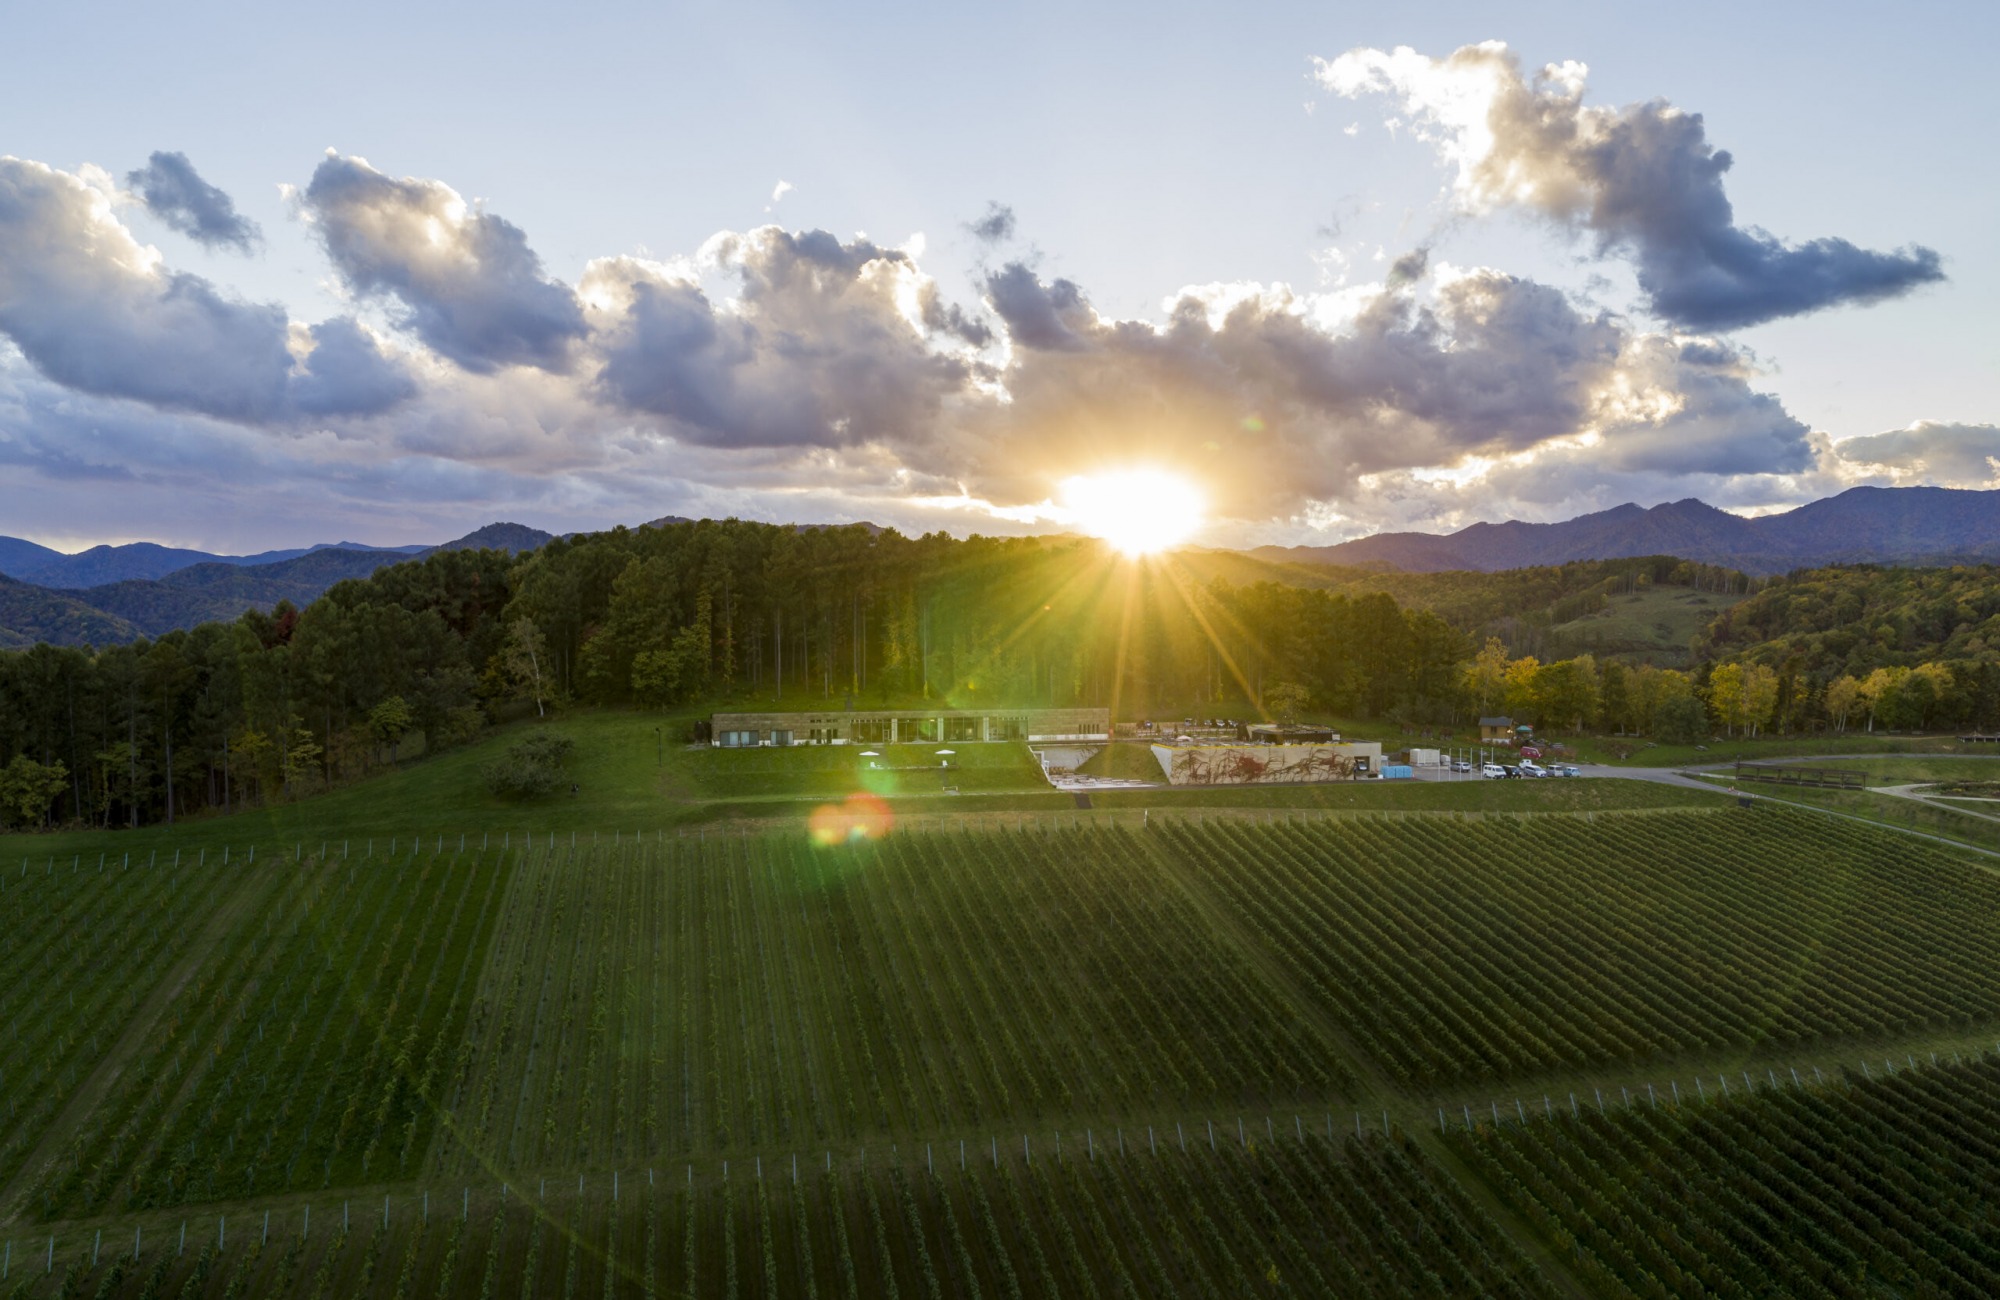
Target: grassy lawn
x: 1912, y: 771
x: 1634, y: 751
x: 628, y: 771
x: 1125, y: 762
x: 1654, y: 625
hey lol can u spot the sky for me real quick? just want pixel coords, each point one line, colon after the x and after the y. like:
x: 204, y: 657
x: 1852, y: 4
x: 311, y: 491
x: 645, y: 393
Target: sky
x: 385, y: 273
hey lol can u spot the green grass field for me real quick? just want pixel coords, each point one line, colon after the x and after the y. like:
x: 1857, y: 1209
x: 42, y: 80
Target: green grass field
x: 1637, y: 752
x: 673, y: 1034
x: 1655, y: 625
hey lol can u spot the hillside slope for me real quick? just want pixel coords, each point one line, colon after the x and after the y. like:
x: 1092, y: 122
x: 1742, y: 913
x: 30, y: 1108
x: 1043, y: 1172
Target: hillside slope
x: 29, y: 614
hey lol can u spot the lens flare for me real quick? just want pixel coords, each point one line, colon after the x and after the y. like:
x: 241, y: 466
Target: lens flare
x: 858, y: 818
x: 1139, y: 511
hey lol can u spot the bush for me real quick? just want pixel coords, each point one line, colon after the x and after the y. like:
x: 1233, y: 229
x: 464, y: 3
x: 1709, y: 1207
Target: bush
x: 1680, y: 722
x: 531, y: 767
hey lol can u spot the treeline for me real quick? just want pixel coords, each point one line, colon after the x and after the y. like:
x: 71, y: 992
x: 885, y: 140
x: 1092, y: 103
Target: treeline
x: 427, y: 653
x: 1581, y: 694
x: 1861, y: 645
x: 271, y: 705
x: 277, y: 705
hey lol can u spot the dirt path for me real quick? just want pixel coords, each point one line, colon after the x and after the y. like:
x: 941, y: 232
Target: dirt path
x: 251, y: 892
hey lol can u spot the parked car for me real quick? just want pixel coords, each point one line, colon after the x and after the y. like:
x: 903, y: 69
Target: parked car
x: 1460, y: 765
x: 1509, y: 769
x: 1492, y: 770
x: 1529, y: 751
x: 1569, y: 769
x: 1531, y: 768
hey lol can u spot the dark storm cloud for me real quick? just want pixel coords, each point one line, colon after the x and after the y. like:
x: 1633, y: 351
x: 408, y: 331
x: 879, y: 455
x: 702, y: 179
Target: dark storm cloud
x: 175, y: 193
x: 1932, y: 452
x: 815, y: 352
x: 466, y: 281
x: 1643, y: 180
x: 996, y: 226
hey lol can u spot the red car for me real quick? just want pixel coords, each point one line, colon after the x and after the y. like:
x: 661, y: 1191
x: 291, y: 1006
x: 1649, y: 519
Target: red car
x: 1529, y: 751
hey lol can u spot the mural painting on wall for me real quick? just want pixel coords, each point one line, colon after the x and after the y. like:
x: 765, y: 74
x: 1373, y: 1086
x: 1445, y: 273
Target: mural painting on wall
x: 1255, y: 765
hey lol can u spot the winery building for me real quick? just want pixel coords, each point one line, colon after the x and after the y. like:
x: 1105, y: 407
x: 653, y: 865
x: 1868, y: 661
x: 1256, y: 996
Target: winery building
x: 906, y: 726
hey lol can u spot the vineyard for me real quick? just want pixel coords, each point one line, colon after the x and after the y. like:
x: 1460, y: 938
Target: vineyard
x: 1883, y: 1182
x: 1453, y: 952
x: 1185, y: 1055
x: 1303, y: 1214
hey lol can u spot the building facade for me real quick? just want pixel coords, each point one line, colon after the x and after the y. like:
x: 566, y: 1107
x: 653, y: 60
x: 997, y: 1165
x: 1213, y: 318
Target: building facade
x: 1268, y: 764
x: 906, y: 726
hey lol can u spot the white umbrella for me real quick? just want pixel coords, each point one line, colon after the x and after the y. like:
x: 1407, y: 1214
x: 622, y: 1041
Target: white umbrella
x: 946, y: 753
x: 869, y: 753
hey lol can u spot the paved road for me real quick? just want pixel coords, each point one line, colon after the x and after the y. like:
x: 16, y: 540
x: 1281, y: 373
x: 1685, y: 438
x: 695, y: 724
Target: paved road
x: 1678, y: 777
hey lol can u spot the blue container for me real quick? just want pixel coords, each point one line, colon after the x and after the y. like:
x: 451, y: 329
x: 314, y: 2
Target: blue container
x: 1398, y: 772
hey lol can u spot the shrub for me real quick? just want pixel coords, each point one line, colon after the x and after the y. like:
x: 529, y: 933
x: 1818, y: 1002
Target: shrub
x: 531, y: 767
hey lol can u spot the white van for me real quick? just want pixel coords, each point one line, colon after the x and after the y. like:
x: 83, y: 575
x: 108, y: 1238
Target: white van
x: 1492, y: 770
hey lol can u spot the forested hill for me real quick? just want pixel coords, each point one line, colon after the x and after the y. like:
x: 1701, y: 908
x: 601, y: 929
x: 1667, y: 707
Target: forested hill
x: 274, y: 705
x: 1853, y: 620
x: 1864, y: 525
x: 179, y: 589
x: 30, y: 614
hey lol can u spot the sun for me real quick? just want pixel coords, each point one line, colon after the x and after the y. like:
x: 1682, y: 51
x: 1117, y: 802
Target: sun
x: 1139, y: 511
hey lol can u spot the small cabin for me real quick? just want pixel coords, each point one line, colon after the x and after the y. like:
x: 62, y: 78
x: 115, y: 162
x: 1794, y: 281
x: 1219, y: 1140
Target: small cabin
x: 1496, y: 729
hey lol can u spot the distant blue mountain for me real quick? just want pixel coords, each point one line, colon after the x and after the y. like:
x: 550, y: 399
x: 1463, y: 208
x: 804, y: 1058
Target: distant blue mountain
x: 17, y: 556
x: 100, y: 565
x: 65, y: 600
x: 1914, y: 526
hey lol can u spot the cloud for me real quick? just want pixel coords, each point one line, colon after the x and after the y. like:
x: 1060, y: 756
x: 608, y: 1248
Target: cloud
x: 175, y: 193
x: 1642, y: 179
x: 1260, y: 395
x: 825, y: 345
x: 348, y: 373
x: 1046, y: 317
x: 97, y: 312
x: 1932, y: 452
x: 996, y: 226
x: 774, y: 367
x: 780, y: 190
x: 467, y: 283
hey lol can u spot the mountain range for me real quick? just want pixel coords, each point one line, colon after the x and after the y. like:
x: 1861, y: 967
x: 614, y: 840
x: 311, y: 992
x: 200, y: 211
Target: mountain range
x: 1916, y: 526
x: 112, y: 594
